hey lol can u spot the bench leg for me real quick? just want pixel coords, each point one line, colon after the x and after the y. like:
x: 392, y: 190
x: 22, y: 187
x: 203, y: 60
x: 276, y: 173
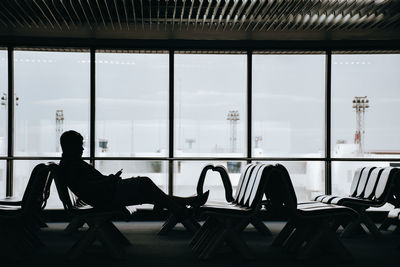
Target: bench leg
x: 88, y: 237
x: 260, y: 226
x: 168, y: 225
x: 283, y: 234
x: 74, y: 225
x: 373, y: 229
x: 351, y: 229
x: 113, y: 230
x: 386, y: 224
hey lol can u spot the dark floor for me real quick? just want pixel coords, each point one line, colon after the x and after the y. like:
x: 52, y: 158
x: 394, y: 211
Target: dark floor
x: 149, y: 249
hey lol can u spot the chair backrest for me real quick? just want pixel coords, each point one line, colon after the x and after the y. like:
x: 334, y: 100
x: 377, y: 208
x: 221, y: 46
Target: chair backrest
x: 255, y: 192
x: 385, y: 183
x: 243, y: 180
x: 363, y: 181
x: 224, y: 177
x: 248, y: 179
x: 38, y: 189
x: 372, y: 182
x: 280, y: 193
x: 63, y: 192
x: 356, y: 180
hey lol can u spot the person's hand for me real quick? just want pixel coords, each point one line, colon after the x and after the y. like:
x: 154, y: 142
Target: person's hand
x: 118, y: 173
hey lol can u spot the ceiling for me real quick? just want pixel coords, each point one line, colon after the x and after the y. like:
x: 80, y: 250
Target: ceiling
x: 202, y: 19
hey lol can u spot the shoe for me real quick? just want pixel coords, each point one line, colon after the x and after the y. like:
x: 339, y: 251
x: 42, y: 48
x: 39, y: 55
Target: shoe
x: 200, y: 200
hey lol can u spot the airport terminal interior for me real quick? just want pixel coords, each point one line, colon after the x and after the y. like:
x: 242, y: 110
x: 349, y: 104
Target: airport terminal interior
x: 283, y: 110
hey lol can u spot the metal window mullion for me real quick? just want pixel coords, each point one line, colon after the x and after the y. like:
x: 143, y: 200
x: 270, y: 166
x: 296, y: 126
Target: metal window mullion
x: 249, y: 103
x: 10, y: 125
x: 92, y: 118
x: 328, y: 100
x: 171, y: 125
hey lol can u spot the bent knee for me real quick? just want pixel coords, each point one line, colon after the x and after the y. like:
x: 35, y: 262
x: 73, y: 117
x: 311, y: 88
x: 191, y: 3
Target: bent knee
x: 146, y: 180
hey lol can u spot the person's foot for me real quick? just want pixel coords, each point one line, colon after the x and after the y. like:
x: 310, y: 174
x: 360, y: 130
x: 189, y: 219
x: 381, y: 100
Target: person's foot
x: 200, y: 200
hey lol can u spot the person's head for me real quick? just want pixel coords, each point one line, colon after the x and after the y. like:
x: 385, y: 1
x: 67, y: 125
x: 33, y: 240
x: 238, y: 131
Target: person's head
x: 72, y: 143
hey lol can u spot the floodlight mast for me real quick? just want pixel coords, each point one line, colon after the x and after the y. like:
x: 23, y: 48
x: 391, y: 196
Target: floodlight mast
x: 233, y: 118
x: 59, y: 127
x: 360, y: 104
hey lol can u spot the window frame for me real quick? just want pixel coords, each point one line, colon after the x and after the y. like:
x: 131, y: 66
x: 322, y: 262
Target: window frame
x: 171, y: 158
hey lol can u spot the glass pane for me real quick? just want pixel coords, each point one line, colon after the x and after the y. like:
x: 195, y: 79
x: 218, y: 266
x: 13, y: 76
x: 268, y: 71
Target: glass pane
x: 187, y: 173
x: 155, y: 170
x: 288, y: 105
x: 343, y: 173
x: 365, y: 129
x: 308, y: 178
x: 3, y: 101
x: 210, y: 105
x: 22, y: 173
x: 3, y: 178
x: 132, y: 104
x: 51, y: 96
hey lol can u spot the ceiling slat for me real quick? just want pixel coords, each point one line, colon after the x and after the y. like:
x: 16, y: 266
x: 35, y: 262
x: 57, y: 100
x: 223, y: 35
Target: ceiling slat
x: 258, y: 16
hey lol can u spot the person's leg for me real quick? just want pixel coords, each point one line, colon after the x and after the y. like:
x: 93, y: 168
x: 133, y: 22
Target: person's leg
x: 141, y: 190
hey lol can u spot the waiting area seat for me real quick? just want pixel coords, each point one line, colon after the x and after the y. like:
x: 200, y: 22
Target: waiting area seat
x: 371, y: 187
x: 222, y: 219
x: 311, y: 227
x: 99, y: 222
x: 19, y: 219
x: 190, y: 222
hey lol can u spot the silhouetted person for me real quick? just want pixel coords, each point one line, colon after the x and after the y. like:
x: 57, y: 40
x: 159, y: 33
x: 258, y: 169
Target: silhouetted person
x: 99, y: 190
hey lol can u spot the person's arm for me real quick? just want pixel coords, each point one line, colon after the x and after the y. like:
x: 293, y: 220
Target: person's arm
x: 92, y: 177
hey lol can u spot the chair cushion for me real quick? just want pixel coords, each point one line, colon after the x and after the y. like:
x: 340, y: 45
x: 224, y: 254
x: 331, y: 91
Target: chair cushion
x: 227, y: 209
x: 324, y: 210
x: 349, y: 201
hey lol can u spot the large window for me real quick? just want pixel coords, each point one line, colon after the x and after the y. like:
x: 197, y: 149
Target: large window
x: 288, y: 105
x: 365, y: 104
x: 51, y: 96
x: 209, y: 93
x: 210, y: 105
x: 131, y: 104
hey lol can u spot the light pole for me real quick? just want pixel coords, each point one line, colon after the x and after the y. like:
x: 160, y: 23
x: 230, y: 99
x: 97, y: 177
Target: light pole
x: 233, y: 118
x: 59, y: 127
x: 360, y: 104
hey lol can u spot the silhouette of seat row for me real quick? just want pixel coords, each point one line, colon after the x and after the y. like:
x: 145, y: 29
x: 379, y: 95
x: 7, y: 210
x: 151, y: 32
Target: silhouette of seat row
x: 191, y: 222
x: 371, y: 187
x: 223, y: 218
x: 98, y: 220
x: 19, y: 219
x: 311, y: 227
